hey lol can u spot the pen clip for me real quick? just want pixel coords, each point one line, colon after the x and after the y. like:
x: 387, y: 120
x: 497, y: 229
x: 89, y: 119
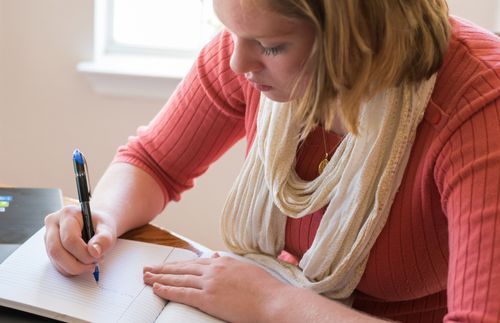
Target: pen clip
x: 87, y: 175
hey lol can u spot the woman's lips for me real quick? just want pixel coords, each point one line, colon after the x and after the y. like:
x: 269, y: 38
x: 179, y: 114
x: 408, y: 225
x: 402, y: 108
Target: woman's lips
x: 261, y: 87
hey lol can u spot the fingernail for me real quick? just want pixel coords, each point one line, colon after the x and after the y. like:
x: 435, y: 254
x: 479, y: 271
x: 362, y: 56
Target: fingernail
x: 98, y: 249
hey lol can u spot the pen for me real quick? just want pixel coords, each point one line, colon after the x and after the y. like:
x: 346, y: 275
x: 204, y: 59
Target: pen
x: 81, y: 173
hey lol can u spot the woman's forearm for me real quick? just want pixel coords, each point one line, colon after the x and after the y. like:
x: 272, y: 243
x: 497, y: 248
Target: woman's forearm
x: 129, y: 195
x: 292, y: 304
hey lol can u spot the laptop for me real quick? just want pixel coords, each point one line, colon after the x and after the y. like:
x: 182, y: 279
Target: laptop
x: 22, y: 212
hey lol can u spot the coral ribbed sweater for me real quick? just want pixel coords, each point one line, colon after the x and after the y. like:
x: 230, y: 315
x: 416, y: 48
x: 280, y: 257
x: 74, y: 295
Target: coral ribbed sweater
x: 440, y: 249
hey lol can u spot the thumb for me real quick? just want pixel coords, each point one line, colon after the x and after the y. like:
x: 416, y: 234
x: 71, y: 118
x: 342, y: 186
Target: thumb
x: 95, y: 250
x: 101, y: 242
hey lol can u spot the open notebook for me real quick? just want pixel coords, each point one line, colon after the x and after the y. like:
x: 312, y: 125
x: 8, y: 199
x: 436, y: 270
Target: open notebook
x: 29, y: 282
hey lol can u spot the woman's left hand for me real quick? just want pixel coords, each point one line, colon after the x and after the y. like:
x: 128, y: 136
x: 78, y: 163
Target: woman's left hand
x: 223, y: 287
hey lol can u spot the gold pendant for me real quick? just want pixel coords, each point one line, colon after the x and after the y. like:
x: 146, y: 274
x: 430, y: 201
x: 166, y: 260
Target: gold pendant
x: 322, y: 166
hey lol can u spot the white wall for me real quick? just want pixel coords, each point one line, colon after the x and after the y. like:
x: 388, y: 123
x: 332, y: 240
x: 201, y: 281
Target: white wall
x: 47, y: 109
x: 485, y: 13
x: 3, y: 76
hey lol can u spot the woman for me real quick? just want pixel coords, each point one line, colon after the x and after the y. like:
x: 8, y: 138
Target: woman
x: 371, y: 177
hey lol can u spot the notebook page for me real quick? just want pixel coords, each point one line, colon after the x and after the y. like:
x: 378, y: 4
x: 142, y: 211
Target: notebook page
x: 29, y: 281
x: 144, y: 307
x: 175, y: 312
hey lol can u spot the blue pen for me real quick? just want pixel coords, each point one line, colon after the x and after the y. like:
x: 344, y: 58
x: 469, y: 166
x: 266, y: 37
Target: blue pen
x: 80, y: 166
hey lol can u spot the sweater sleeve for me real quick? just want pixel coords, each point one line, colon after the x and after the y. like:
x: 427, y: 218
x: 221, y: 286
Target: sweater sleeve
x: 203, y: 118
x: 468, y: 177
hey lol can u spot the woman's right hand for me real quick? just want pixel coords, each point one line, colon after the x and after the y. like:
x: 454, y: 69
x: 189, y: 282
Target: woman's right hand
x: 64, y: 244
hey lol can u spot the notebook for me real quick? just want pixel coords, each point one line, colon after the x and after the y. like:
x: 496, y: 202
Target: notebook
x: 29, y: 282
x: 31, y: 289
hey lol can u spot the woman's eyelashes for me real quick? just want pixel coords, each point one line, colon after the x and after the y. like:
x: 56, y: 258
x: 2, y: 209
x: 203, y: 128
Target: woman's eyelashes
x: 272, y: 51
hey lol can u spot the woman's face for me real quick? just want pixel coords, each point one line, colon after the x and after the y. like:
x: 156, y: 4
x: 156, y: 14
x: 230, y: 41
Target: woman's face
x: 269, y: 49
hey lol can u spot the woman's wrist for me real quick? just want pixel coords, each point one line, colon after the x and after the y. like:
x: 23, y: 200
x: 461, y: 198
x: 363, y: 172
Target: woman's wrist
x: 279, y: 301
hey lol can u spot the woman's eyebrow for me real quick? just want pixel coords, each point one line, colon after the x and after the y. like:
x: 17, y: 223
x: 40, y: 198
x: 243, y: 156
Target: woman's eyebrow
x: 266, y: 36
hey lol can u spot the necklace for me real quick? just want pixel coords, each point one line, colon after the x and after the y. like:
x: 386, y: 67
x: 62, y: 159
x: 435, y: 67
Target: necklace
x: 322, y: 164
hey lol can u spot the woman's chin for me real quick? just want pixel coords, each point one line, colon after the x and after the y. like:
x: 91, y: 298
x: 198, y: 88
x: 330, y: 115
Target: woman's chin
x: 276, y: 96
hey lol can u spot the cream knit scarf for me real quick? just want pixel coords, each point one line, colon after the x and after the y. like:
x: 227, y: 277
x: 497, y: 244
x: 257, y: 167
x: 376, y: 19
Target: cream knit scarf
x: 358, y: 184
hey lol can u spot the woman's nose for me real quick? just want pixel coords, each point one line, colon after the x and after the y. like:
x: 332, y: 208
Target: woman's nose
x: 245, y: 57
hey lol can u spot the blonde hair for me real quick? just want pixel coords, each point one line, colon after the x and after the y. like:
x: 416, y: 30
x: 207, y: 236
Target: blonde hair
x: 362, y: 47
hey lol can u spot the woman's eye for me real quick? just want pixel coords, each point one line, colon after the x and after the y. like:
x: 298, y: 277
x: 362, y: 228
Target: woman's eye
x: 272, y: 50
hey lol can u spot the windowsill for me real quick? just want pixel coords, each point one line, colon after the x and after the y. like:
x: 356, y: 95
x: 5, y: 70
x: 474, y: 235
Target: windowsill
x: 135, y: 76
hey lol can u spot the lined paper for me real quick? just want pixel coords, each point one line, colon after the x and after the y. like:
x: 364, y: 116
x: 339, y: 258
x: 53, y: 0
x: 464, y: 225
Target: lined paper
x: 175, y: 312
x: 30, y: 282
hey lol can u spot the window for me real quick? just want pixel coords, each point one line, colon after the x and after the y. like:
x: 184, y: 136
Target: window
x: 176, y: 28
x: 141, y: 45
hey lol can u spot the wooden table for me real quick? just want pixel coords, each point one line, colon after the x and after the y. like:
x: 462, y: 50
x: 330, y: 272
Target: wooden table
x: 155, y: 234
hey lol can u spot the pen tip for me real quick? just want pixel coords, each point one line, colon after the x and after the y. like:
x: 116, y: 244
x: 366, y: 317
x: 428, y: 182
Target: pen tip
x: 96, y: 274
